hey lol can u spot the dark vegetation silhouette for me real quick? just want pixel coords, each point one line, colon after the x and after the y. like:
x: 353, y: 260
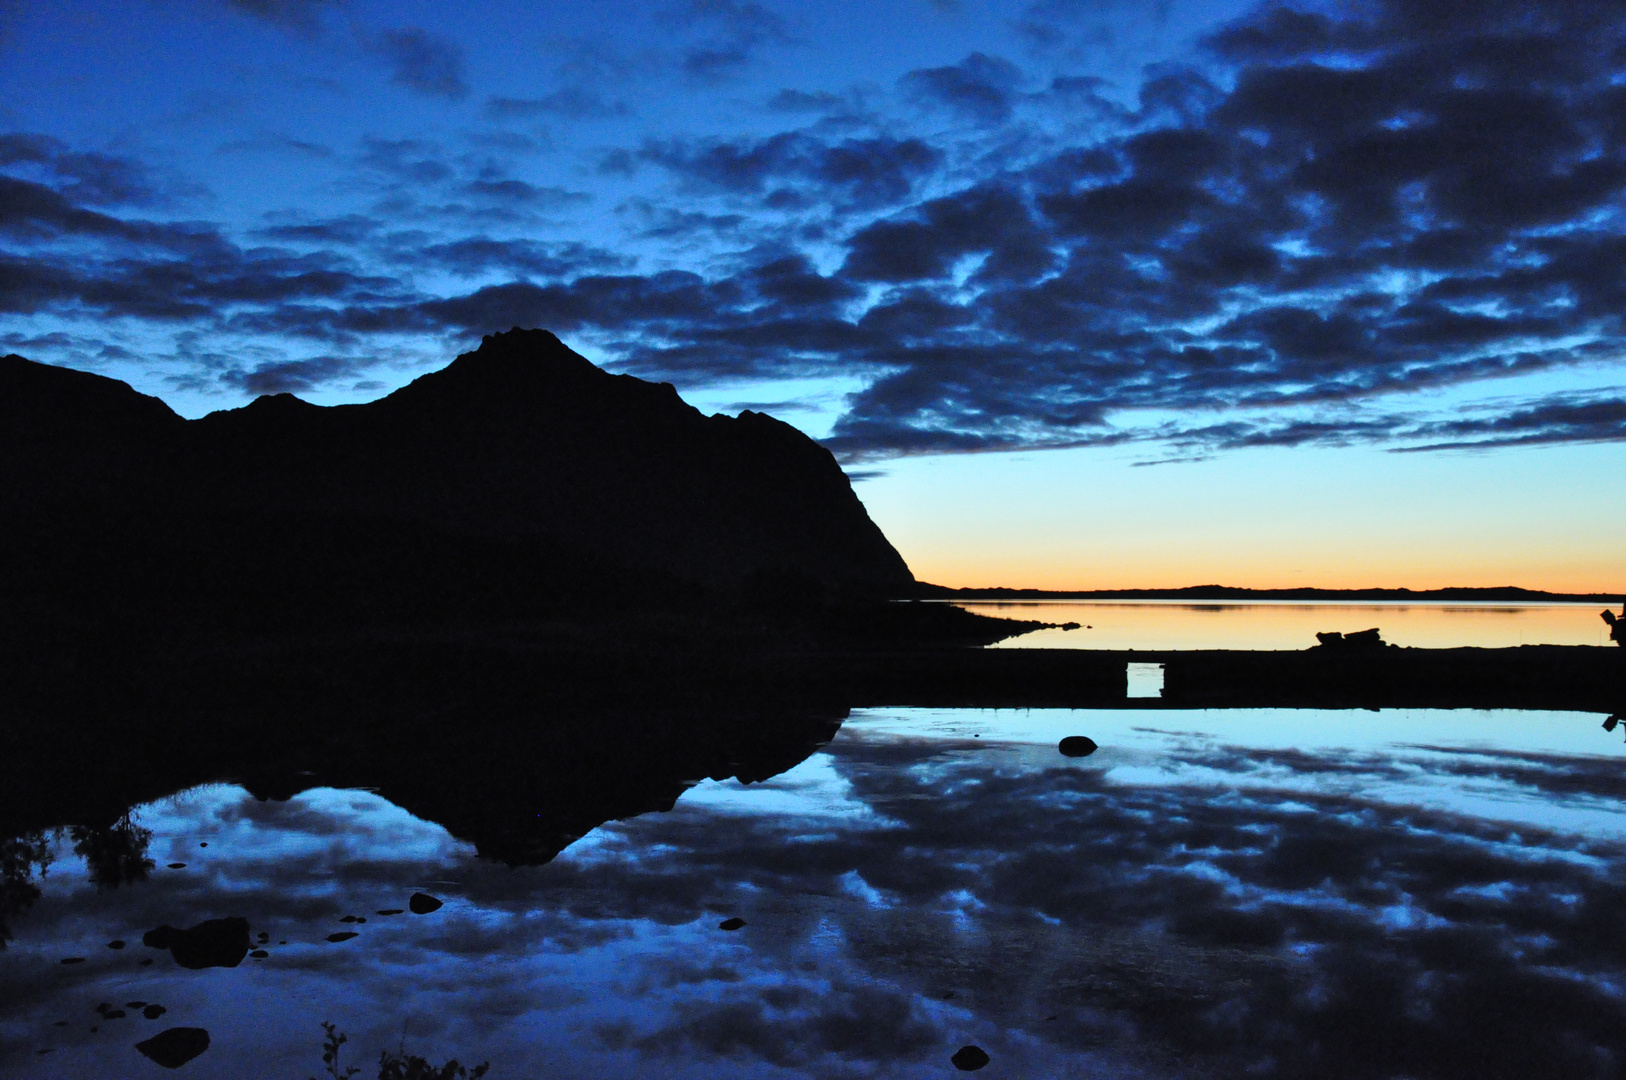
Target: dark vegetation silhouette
x: 396, y: 1066
x: 114, y: 855
x: 25, y: 855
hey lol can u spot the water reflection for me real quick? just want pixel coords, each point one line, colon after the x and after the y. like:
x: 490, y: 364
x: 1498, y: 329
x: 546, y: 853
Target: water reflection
x: 1158, y: 624
x: 115, y: 855
x: 1273, y: 893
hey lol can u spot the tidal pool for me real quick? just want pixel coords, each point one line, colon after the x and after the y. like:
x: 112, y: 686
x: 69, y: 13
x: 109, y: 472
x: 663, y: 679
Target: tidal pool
x: 1274, y: 893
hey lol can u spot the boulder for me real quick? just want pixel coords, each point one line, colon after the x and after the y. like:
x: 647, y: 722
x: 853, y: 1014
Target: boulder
x: 175, y: 1047
x: 1077, y: 746
x: 214, y: 943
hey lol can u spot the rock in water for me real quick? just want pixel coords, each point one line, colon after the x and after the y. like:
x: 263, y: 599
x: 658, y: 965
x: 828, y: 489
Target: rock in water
x: 1077, y: 746
x: 1360, y: 640
x: 423, y: 903
x: 969, y: 1058
x: 215, y: 943
x: 731, y: 924
x: 176, y: 1046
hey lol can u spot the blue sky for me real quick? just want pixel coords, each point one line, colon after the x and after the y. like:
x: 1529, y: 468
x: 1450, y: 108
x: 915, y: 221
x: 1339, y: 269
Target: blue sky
x: 1349, y: 276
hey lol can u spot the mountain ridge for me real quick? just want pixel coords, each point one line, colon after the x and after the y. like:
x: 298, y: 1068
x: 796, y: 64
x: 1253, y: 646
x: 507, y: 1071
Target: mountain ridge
x: 519, y: 460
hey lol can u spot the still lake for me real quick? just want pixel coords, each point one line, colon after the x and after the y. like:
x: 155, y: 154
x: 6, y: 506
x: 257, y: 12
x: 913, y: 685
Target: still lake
x: 1272, y: 893
x: 1172, y: 624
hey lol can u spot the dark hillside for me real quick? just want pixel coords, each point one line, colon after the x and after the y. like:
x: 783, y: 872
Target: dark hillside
x: 519, y: 482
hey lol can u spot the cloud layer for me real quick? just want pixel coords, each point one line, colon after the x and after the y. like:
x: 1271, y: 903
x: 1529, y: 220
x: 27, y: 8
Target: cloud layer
x: 1323, y: 217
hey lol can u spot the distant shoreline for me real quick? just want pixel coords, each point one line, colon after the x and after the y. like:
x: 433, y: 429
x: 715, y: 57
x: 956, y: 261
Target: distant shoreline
x: 1503, y: 594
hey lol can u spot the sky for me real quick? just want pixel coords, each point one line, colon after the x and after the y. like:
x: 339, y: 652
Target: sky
x: 1082, y: 293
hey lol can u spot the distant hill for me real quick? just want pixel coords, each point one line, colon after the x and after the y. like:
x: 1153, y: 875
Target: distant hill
x: 521, y: 480
x: 1507, y: 594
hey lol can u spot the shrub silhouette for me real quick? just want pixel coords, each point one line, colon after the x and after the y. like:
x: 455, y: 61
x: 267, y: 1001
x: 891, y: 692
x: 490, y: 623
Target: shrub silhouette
x: 401, y: 1066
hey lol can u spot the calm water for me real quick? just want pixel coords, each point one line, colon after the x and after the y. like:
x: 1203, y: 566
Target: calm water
x: 1270, y: 893
x: 1165, y: 624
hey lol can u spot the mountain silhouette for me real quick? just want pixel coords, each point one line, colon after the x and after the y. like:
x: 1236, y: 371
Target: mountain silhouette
x: 520, y: 480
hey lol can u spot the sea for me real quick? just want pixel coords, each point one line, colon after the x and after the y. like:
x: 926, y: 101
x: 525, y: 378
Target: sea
x: 1170, y: 624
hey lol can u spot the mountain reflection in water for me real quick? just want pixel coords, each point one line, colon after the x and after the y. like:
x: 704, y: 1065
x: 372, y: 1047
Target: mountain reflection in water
x: 1271, y: 893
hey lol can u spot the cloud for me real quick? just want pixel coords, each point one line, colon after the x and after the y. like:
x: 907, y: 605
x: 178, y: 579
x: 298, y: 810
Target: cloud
x: 1563, y: 420
x: 294, y: 376
x: 572, y: 102
x: 738, y: 29
x: 90, y: 179
x: 300, y: 15
x: 864, y: 171
x: 518, y: 193
x: 795, y: 101
x: 475, y: 256
x: 990, y: 221
x: 423, y: 62
x: 980, y: 88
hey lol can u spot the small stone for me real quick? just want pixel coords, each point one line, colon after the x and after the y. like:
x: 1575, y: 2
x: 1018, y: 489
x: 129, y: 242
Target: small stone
x: 153, y: 1012
x: 390, y: 911
x: 175, y: 1047
x: 113, y: 1014
x: 343, y: 935
x: 731, y: 924
x: 259, y: 954
x: 103, y: 1007
x: 203, y: 843
x: 969, y: 1058
x: 73, y: 960
x: 423, y: 903
x: 177, y: 866
x: 115, y: 944
x: 1077, y: 746
x: 264, y: 937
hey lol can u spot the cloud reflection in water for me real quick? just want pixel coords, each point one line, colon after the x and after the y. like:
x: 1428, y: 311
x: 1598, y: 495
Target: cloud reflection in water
x: 1273, y: 893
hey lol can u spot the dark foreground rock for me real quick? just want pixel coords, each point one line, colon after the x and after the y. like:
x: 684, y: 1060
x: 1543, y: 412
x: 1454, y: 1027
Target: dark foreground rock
x: 215, y: 943
x: 423, y: 903
x: 970, y: 1058
x: 1361, y: 640
x: 1077, y: 746
x: 175, y: 1047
